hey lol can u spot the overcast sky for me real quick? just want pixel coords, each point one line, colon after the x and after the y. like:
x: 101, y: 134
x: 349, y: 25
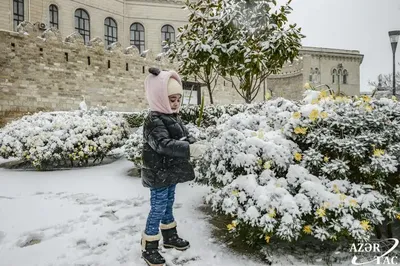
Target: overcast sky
x: 352, y: 24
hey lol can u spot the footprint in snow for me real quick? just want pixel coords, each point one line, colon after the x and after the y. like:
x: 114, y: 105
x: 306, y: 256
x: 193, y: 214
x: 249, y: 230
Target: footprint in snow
x: 110, y: 215
x: 31, y: 239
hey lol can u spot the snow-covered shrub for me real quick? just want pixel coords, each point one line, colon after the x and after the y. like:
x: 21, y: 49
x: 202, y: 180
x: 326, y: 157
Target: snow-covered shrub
x: 136, y: 119
x: 190, y: 114
x: 133, y: 147
x: 258, y: 178
x: 66, y: 138
x: 194, y: 131
x: 355, y: 139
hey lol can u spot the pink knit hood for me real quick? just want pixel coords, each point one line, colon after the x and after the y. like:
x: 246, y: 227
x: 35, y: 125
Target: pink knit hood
x: 157, y: 92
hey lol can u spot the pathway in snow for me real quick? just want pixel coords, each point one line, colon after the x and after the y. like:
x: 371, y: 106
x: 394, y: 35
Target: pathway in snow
x: 95, y: 216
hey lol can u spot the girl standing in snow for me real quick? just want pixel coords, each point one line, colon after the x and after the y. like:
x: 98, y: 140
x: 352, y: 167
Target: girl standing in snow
x: 166, y: 152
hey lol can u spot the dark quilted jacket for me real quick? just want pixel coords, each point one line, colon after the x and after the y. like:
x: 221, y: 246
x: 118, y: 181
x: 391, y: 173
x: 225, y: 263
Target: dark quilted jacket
x: 165, y: 156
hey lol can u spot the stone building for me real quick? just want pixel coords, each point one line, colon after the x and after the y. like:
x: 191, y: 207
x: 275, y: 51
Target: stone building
x: 44, y: 70
x: 145, y: 23
x: 337, y: 68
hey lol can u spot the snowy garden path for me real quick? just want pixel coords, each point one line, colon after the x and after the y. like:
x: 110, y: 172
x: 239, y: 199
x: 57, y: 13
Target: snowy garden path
x: 94, y: 216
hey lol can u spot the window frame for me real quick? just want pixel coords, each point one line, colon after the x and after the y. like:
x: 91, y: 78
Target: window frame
x: 18, y: 13
x: 109, y: 39
x: 334, y: 74
x: 164, y: 32
x: 53, y: 9
x: 140, y: 44
x: 85, y: 31
x: 345, y: 75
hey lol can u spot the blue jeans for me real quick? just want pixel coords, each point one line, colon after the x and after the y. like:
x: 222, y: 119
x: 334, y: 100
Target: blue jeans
x: 161, y: 201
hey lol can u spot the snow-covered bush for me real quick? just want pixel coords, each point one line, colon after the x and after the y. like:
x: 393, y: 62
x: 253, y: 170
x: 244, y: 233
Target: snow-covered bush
x: 354, y: 139
x: 190, y: 114
x: 66, y: 138
x: 263, y: 173
x: 133, y: 147
x: 136, y: 119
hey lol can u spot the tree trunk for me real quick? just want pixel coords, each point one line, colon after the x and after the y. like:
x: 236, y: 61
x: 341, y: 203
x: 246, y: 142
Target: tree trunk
x: 378, y: 232
x: 245, y: 87
x: 389, y: 228
x: 210, y: 92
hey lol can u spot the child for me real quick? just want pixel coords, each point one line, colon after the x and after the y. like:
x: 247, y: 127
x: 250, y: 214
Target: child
x: 167, y: 149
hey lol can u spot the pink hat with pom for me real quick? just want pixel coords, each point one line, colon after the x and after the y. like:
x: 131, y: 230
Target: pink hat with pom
x: 159, y: 85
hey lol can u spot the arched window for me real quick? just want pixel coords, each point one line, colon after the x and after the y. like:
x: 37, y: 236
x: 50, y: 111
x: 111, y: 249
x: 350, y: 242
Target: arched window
x: 317, y: 76
x: 137, y: 36
x: 18, y: 13
x: 82, y: 24
x: 340, y: 72
x: 345, y: 74
x: 334, y: 73
x: 53, y: 16
x: 167, y: 35
x: 310, y: 77
x: 110, y: 31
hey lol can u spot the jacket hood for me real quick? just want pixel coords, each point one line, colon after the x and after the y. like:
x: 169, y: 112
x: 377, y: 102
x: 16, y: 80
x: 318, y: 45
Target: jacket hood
x: 156, y: 87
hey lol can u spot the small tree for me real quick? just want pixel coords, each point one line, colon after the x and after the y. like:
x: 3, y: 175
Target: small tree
x: 386, y: 81
x: 256, y: 41
x: 196, y: 48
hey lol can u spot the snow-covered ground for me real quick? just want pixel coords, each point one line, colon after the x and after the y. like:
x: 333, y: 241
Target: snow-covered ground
x: 95, y: 216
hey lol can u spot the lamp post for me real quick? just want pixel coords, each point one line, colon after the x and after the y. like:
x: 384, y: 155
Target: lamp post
x: 394, y: 38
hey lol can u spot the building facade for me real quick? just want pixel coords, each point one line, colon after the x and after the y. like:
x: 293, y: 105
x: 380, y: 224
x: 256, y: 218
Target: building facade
x: 145, y: 24
x: 339, y: 69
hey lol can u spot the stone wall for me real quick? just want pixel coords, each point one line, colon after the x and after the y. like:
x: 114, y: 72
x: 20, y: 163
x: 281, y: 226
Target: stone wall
x: 42, y: 73
x: 289, y: 86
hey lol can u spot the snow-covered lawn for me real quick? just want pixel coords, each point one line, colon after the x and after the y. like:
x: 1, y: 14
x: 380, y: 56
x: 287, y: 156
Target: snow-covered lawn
x: 95, y: 216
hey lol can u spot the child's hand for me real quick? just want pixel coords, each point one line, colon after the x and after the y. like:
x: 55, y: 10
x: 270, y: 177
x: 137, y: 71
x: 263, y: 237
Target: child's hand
x: 191, y: 139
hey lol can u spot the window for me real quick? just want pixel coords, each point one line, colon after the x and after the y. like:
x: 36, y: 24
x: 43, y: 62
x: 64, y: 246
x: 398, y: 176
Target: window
x: 167, y: 35
x: 82, y: 24
x: 18, y: 11
x: 110, y: 31
x: 137, y: 36
x: 340, y: 75
x: 345, y: 74
x: 334, y: 73
x: 53, y: 15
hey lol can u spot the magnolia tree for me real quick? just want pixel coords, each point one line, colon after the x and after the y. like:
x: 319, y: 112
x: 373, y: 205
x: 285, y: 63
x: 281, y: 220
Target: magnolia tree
x: 195, y: 47
x: 258, y: 42
x: 243, y: 41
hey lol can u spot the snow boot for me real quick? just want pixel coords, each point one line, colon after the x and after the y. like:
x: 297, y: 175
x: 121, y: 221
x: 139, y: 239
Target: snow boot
x: 150, y: 252
x: 171, y: 238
